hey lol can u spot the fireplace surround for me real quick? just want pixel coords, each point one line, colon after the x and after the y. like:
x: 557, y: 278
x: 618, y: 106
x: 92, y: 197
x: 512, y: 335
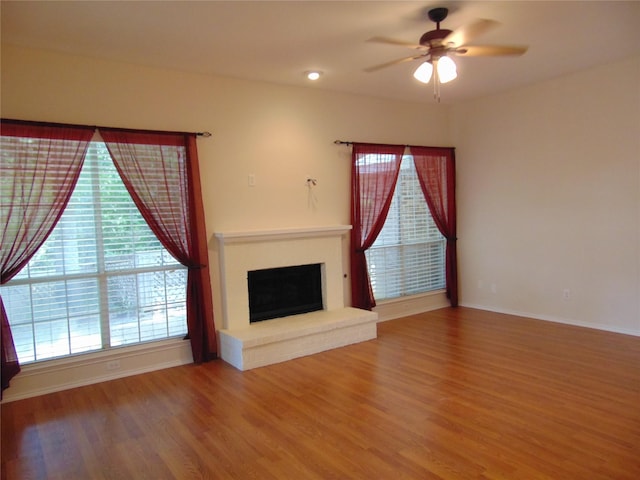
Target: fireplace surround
x: 248, y: 345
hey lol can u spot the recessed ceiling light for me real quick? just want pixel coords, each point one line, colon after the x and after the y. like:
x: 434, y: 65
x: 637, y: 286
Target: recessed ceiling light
x: 313, y: 74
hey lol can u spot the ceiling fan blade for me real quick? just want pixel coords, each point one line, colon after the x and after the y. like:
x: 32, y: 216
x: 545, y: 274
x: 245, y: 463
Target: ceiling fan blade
x: 393, y: 41
x: 489, y: 50
x: 466, y: 33
x: 393, y: 62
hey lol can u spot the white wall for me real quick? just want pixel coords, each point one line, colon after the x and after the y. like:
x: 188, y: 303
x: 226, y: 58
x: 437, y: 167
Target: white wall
x: 549, y: 199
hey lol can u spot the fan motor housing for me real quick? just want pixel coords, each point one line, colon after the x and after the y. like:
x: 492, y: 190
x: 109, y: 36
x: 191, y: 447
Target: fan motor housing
x: 438, y: 14
x: 434, y: 37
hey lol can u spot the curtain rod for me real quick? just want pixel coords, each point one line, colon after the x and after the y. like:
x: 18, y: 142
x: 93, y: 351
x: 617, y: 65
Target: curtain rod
x: 349, y: 142
x: 71, y: 125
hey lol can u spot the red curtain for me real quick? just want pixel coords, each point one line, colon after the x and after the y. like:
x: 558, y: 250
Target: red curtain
x: 437, y: 174
x: 39, y: 168
x: 374, y: 173
x: 160, y: 171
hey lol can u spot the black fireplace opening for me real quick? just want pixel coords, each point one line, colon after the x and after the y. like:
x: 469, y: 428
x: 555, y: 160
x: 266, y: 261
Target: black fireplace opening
x: 284, y: 291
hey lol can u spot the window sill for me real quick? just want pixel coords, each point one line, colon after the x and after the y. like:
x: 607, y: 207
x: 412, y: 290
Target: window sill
x: 405, y: 298
x: 393, y: 308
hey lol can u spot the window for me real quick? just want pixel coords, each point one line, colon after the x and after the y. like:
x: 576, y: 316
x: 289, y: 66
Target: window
x: 102, y: 279
x: 408, y: 257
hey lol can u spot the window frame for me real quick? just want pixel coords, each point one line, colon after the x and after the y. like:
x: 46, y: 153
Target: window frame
x: 380, y: 245
x: 101, y: 275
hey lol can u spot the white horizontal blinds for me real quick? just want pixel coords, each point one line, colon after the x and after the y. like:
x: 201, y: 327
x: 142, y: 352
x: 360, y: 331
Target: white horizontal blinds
x: 145, y: 285
x: 102, y: 279
x: 408, y: 255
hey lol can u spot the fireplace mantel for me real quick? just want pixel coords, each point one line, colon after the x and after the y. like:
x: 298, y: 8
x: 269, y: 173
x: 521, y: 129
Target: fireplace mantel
x: 281, y: 234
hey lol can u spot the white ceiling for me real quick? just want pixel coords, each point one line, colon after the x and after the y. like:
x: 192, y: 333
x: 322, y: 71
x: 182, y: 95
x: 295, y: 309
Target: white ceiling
x: 276, y: 41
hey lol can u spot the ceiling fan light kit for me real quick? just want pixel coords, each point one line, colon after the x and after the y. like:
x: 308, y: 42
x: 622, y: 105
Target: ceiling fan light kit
x: 423, y: 72
x: 437, y: 46
x: 446, y: 69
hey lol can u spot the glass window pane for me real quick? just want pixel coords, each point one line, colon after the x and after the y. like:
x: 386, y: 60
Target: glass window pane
x: 124, y: 328
x: 153, y: 323
x: 48, y: 301
x: 87, y: 333
x: 83, y: 297
x: 24, y: 342
x: 17, y: 300
x: 52, y: 339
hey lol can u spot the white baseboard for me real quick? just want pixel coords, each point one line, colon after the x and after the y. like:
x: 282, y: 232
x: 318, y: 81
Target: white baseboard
x: 80, y: 370
x: 550, y: 318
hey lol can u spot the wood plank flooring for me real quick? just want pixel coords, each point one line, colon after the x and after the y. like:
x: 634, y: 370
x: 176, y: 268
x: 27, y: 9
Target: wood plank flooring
x: 450, y: 394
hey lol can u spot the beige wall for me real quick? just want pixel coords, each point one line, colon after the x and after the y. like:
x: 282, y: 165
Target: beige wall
x: 548, y: 175
x: 278, y: 134
x: 548, y: 179
x: 549, y: 199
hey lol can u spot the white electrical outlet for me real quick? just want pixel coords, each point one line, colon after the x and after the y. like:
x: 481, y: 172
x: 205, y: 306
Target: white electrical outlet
x: 113, y: 364
x: 566, y: 294
x: 251, y: 180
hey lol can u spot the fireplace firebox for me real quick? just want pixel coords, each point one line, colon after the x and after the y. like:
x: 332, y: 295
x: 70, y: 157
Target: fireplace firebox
x: 280, y: 292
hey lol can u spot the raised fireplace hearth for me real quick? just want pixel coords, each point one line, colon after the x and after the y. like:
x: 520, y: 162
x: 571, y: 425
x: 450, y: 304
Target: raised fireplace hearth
x: 325, y: 324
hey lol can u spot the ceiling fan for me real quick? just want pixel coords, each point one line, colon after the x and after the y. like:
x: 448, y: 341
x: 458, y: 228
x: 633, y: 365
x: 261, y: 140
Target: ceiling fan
x: 437, y: 46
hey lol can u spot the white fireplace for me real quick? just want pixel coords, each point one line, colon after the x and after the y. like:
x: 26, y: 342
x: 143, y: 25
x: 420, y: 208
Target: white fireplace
x: 248, y: 345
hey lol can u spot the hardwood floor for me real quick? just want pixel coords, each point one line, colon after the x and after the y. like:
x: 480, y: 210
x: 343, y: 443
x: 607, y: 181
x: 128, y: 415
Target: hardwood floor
x: 450, y: 394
